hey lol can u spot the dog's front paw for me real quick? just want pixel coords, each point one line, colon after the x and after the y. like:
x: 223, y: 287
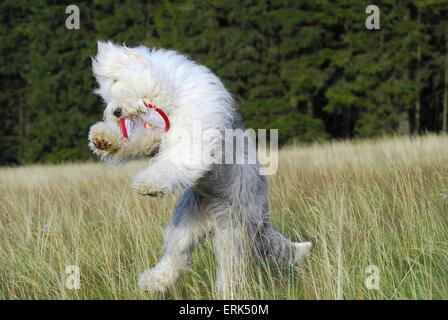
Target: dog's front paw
x: 147, y: 189
x: 145, y: 186
x: 103, y: 139
x: 101, y: 143
x: 152, y: 282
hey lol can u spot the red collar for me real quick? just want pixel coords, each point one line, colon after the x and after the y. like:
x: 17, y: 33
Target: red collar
x: 149, y: 106
x: 162, y: 114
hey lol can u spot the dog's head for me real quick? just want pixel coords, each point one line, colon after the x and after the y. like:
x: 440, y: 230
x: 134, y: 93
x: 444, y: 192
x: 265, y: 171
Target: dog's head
x: 126, y: 78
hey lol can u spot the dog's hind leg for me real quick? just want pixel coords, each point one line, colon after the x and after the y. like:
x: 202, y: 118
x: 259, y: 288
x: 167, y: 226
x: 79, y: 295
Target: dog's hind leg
x: 279, y: 250
x: 269, y: 243
x: 231, y: 253
x: 187, y: 225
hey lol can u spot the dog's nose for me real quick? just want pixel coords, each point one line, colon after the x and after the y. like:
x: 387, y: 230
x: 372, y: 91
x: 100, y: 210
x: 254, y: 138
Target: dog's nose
x: 117, y: 112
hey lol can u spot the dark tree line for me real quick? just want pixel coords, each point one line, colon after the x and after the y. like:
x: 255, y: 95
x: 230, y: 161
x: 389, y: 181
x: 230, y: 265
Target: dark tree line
x: 309, y: 68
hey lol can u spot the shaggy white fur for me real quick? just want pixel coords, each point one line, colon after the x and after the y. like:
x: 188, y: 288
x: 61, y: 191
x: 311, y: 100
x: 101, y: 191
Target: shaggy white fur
x: 188, y: 92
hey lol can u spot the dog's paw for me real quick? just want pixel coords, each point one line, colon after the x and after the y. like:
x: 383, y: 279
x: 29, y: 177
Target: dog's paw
x: 147, y: 189
x: 149, y: 183
x: 150, y: 281
x: 303, y: 250
x: 102, y: 138
x: 101, y: 143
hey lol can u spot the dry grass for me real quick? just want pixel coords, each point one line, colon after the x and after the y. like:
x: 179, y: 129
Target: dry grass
x: 361, y: 203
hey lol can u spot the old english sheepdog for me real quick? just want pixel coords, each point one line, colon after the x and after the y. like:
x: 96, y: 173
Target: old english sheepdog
x: 229, y: 199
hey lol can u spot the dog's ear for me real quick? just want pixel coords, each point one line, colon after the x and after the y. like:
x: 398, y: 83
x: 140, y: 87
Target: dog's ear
x: 120, y: 68
x: 106, y: 60
x: 111, y: 58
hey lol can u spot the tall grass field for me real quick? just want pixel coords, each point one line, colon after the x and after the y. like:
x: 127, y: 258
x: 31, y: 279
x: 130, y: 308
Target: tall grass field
x: 376, y: 211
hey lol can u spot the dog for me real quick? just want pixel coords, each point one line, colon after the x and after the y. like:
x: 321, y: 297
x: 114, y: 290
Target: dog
x: 228, y: 200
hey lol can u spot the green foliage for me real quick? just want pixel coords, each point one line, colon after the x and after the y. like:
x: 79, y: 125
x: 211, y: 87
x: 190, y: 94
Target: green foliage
x: 308, y: 68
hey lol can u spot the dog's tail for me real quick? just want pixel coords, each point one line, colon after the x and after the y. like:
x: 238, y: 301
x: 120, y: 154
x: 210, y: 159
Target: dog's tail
x: 274, y: 247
